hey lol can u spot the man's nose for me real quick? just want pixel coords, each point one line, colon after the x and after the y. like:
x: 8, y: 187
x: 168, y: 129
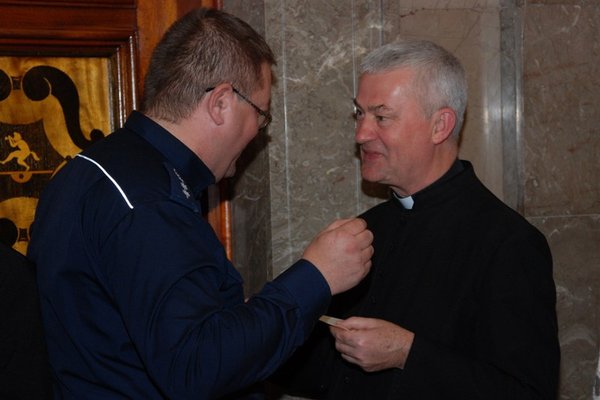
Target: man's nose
x: 364, y: 131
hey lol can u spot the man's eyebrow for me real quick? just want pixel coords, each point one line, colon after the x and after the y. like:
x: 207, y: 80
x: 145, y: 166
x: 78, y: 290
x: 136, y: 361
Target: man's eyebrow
x: 373, y: 109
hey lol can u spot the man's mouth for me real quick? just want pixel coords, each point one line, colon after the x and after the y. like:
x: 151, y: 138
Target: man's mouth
x: 367, y: 155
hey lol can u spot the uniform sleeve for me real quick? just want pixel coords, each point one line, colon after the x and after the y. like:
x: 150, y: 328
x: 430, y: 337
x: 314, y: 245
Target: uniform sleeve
x: 182, y: 304
x: 516, y: 339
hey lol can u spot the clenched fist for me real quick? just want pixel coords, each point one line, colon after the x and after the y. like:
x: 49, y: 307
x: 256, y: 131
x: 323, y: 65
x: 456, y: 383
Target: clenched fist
x: 342, y: 253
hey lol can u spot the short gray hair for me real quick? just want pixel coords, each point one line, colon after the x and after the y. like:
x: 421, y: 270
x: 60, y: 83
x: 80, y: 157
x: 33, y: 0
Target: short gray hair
x: 440, y: 82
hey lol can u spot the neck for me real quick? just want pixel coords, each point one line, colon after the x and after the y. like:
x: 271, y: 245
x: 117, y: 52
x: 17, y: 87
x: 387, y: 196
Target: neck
x: 439, y: 165
x: 186, y: 132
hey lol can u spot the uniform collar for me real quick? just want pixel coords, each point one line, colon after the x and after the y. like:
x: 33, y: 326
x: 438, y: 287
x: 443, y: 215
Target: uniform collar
x: 191, y: 168
x: 437, y: 191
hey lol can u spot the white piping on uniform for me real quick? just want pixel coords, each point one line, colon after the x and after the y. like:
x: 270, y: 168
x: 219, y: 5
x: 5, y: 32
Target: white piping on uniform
x: 109, y: 177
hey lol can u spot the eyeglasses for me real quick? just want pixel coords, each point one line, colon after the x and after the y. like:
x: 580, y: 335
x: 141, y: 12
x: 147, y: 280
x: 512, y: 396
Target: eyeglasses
x: 264, y: 117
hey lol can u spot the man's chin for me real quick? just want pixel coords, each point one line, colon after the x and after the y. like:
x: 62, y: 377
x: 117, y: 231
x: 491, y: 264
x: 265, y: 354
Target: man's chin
x: 369, y: 175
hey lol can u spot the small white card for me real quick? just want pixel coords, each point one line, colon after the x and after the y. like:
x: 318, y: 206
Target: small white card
x: 331, y: 321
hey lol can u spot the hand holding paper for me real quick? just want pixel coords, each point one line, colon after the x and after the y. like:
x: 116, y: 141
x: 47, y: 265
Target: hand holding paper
x: 372, y: 344
x: 331, y: 321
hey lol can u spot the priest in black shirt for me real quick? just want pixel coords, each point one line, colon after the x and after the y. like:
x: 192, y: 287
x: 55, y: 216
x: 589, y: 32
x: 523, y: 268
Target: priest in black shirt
x: 460, y: 301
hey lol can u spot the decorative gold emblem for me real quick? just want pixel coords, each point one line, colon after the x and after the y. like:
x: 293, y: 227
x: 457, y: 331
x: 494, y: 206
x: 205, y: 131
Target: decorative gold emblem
x: 51, y: 108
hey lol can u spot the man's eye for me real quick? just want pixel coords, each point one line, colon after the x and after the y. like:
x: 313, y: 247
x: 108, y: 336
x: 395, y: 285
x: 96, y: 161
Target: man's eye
x: 380, y: 118
x: 357, y: 115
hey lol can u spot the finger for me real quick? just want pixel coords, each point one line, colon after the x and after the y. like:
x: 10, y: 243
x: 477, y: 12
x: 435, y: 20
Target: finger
x: 367, y: 254
x: 344, y: 334
x: 367, y: 266
x: 365, y: 238
x: 354, y: 226
x: 358, y: 323
x: 343, y: 347
x: 336, y: 224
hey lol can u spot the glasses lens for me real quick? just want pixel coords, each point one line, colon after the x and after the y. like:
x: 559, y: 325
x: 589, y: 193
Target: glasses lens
x: 264, y: 120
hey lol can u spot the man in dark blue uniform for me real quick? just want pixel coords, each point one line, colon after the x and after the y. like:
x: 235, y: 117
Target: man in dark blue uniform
x: 138, y: 298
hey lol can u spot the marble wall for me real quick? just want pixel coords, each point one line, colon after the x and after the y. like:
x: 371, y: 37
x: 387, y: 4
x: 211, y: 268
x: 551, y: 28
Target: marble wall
x: 561, y: 174
x: 533, y: 93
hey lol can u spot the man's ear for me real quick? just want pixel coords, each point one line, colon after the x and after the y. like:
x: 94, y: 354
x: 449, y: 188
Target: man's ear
x: 444, y: 121
x: 218, y: 102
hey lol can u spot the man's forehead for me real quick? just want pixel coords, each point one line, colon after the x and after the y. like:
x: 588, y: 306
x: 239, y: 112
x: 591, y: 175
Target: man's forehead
x: 376, y: 107
x: 380, y: 91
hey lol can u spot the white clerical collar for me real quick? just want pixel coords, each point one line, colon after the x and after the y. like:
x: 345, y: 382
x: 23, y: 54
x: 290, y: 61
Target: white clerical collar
x: 407, y: 202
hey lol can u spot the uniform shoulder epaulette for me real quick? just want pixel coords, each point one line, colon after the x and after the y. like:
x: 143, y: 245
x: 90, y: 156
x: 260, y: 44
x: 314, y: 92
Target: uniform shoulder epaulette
x: 180, y: 191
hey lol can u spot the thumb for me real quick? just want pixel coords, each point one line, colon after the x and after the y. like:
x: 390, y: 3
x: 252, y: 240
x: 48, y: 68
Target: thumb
x: 337, y: 223
x: 356, y: 323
